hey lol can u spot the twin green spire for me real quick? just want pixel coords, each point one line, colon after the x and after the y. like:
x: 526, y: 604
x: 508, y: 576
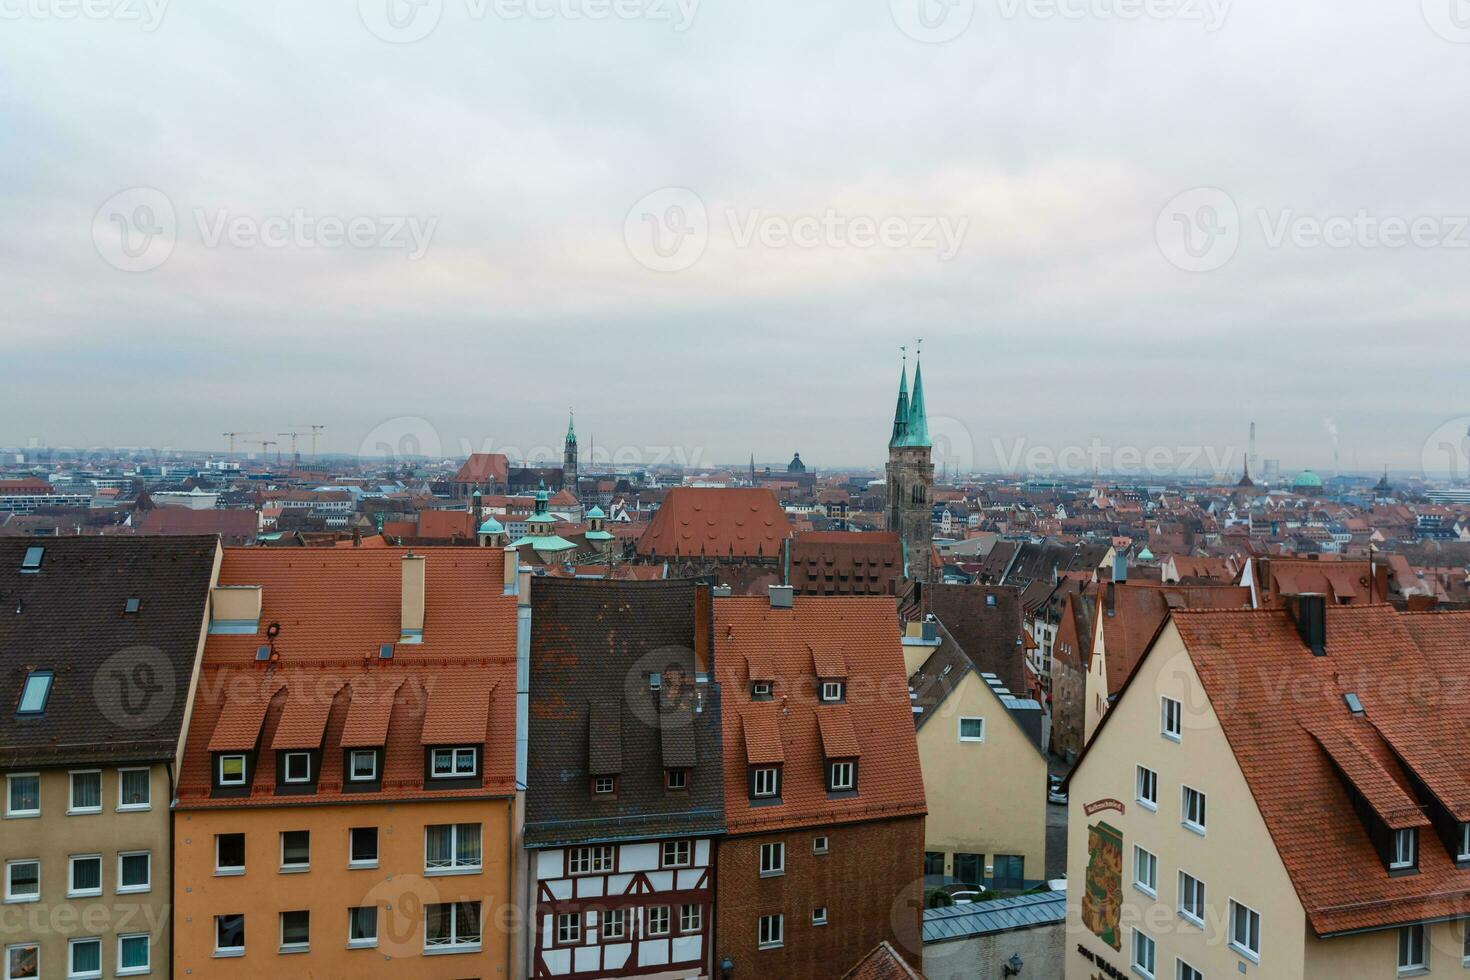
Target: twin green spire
x: 571, y: 433
x: 910, y: 421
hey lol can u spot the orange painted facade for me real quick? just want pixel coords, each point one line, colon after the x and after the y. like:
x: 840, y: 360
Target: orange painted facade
x: 398, y: 887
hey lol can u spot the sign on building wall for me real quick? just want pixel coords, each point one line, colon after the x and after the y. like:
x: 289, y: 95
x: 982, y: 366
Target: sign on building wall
x: 1102, y: 897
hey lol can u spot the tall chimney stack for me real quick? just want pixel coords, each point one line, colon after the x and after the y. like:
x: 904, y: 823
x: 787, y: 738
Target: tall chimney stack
x: 411, y: 607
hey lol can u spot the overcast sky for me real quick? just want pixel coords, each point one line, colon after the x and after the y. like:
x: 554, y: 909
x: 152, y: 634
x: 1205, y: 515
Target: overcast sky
x: 999, y: 177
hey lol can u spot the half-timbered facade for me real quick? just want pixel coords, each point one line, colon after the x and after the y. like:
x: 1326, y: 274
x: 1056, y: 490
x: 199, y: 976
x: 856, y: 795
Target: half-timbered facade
x: 624, y: 794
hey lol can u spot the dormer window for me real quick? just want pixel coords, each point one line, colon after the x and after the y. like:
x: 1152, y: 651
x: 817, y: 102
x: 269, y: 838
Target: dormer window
x: 1464, y: 854
x: 760, y: 690
x: 455, y: 763
x: 841, y: 777
x: 834, y: 690
x: 765, y: 783
x: 34, y: 692
x: 297, y: 767
x: 604, y: 785
x: 676, y: 779
x: 232, y: 769
x: 362, y: 766
x: 1405, y: 849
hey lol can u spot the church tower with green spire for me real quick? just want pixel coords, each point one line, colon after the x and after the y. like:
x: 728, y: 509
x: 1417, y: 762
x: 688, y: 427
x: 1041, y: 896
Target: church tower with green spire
x: 910, y: 476
x: 569, y: 459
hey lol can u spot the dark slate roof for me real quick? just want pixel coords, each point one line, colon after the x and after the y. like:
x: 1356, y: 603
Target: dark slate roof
x: 120, y: 680
x: 593, y: 645
x: 999, y: 915
x: 989, y: 634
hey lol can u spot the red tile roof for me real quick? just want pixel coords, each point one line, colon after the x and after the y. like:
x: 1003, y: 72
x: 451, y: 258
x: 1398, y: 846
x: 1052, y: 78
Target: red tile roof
x: 1139, y: 609
x: 484, y: 467
x: 883, y: 963
x: 744, y: 522
x: 335, y: 608
x: 877, y: 709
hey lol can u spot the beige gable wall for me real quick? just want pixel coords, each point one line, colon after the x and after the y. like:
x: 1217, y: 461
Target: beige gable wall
x: 1236, y: 857
x: 1096, y: 699
x: 984, y: 797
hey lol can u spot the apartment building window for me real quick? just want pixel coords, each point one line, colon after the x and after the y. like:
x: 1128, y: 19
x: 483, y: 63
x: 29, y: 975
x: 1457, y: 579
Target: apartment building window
x: 691, y: 918
x: 229, y: 935
x: 765, y: 782
x: 133, y: 789
x: 614, y: 924
x: 23, y: 880
x: 1146, y: 871
x: 972, y: 729
x: 229, y: 854
x: 568, y: 928
x: 362, y: 766
x: 1194, y: 810
x: 22, y: 960
x: 1171, y: 725
x: 1413, y: 954
x: 452, y: 847
x: 590, y: 860
x: 1147, y: 789
x: 362, y: 847
x: 83, y: 959
x: 1143, y: 954
x: 769, y: 932
x: 1245, y: 930
x: 362, y: 926
x: 841, y: 777
x: 604, y: 785
x: 1192, y: 899
x: 452, y: 926
x: 760, y: 690
x: 232, y: 770
x: 86, y: 792
x: 1183, y: 971
x: 134, y: 955
x: 295, y: 850
x: 676, y: 854
x: 819, y: 845
x: 658, y: 920
x: 298, y: 767
x: 295, y: 931
x: 134, y: 872
x: 455, y: 763
x: 23, y: 794
x: 833, y: 690
x: 1405, y: 849
x: 84, y: 875
x: 773, y: 860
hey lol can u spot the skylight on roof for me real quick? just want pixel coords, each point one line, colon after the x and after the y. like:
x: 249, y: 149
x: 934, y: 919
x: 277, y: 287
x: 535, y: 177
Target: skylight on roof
x: 132, y: 605
x: 32, y: 560
x: 262, y: 653
x: 33, y: 694
x: 385, y: 651
x: 1354, y: 705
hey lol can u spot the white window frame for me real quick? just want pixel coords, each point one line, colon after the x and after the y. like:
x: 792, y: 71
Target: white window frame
x: 147, y: 886
x: 244, y: 769
x: 770, y: 931
x: 454, y: 755
x: 833, y: 691
x: 362, y: 942
x: 453, y: 943
x: 352, y: 758
x: 671, y: 774
x: 660, y: 920
x: 1464, y: 853
x: 819, y: 915
x: 1173, y: 732
x: 15, y: 946
x: 285, y: 947
x: 821, y: 844
x: 1186, y: 819
x: 125, y: 807
x: 599, y: 781
x: 1186, y: 890
x: 776, y: 866
x: 10, y: 896
x: 296, y: 866
x: 71, y: 798
x: 844, y: 777
x: 228, y: 950
x: 1139, y: 785
x: 353, y: 862
x: 286, y: 761
x: 1412, y: 967
x: 614, y: 924
x: 133, y: 971
x: 220, y: 869
x: 1149, y: 888
x: 1183, y: 971
x: 691, y: 918
x: 23, y: 814
x: 972, y: 738
x: 683, y: 854
x: 71, y: 863
x: 454, y: 866
x: 767, y: 775
x: 1405, y: 839
x: 760, y: 689
x: 1237, y: 908
x: 568, y: 928
x: 1143, y: 941
x: 72, y: 944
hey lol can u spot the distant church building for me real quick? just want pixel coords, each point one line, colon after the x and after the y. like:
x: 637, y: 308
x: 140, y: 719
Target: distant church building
x: 910, y: 477
x: 569, y: 459
x: 796, y: 465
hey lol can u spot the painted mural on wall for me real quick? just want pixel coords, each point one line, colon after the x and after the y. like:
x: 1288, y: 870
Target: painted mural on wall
x: 1102, y: 898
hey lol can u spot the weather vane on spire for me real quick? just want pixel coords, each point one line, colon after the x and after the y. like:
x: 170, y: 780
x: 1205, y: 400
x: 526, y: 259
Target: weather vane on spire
x: 918, y: 346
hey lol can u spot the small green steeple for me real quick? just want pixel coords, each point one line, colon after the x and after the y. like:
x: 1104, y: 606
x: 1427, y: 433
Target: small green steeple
x: 571, y: 432
x: 918, y: 424
x: 901, y: 413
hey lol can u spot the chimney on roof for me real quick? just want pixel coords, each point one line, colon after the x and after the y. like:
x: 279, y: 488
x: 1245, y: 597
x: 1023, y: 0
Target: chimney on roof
x: 1120, y: 566
x: 411, y: 599
x: 782, y: 596
x: 703, y: 631
x: 722, y: 591
x: 1310, y: 613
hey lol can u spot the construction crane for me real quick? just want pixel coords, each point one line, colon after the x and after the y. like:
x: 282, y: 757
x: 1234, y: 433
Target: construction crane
x: 265, y: 448
x: 295, y: 456
x: 231, y: 436
x: 314, y: 430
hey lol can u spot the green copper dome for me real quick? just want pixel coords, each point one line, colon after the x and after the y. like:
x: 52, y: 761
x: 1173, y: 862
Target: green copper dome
x: 1306, y: 478
x: 492, y: 526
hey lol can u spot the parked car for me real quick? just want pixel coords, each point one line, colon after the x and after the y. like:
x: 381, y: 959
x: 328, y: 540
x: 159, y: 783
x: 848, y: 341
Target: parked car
x: 1054, y: 791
